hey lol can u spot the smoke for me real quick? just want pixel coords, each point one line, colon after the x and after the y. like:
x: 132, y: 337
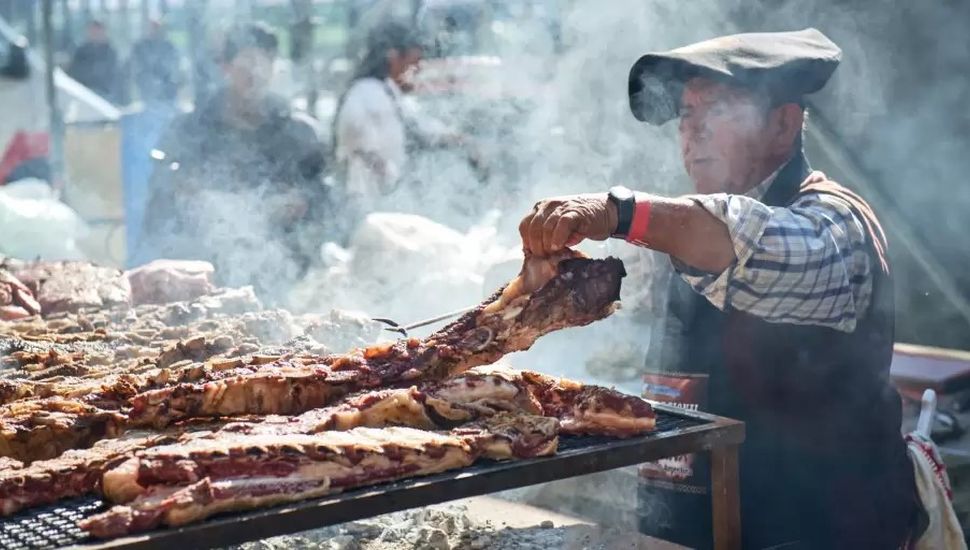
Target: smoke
x: 553, y: 123
x: 898, y: 103
x: 579, y: 137
x: 547, y: 124
x: 558, y: 124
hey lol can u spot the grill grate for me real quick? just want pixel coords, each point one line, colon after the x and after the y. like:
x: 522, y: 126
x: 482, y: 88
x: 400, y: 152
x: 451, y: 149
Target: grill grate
x: 665, y: 423
x: 55, y: 526
x: 49, y: 527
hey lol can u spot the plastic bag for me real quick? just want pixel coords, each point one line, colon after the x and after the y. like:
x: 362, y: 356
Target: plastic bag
x: 34, y: 224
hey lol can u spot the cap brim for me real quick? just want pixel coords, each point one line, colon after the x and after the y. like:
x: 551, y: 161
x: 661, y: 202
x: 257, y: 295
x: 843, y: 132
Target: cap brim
x: 656, y: 83
x: 784, y: 66
x: 654, y: 89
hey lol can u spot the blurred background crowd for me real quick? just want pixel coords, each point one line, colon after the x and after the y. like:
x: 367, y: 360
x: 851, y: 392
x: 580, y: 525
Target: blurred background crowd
x: 378, y: 154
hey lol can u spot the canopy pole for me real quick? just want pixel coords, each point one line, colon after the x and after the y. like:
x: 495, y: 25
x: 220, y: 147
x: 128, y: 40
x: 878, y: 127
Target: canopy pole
x: 145, y: 14
x: 55, y: 123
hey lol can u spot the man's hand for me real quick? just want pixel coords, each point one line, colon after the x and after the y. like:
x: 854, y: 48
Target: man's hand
x: 560, y: 222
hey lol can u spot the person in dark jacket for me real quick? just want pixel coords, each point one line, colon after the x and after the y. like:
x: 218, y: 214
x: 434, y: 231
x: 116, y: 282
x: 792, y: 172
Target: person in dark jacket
x: 95, y: 63
x: 155, y: 65
x: 784, y: 301
x: 238, y: 182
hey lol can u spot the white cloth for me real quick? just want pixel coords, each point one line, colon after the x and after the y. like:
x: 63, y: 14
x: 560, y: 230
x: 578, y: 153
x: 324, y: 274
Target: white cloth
x: 371, y: 140
x: 371, y: 131
x: 933, y: 486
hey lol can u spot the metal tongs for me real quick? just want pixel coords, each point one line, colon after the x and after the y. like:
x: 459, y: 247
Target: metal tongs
x: 393, y: 326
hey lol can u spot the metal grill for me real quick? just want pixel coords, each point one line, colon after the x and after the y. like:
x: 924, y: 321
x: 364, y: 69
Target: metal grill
x: 56, y: 525
x: 49, y: 527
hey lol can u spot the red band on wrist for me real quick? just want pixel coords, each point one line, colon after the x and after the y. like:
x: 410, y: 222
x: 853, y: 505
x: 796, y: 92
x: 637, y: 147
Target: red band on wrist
x: 640, y: 224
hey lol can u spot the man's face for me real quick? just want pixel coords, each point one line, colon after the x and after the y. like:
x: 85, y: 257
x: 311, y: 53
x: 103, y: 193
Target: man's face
x: 155, y: 30
x: 97, y: 33
x: 725, y: 137
x: 249, y: 73
x: 403, y: 67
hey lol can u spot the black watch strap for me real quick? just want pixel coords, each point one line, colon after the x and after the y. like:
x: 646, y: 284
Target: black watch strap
x: 626, y: 203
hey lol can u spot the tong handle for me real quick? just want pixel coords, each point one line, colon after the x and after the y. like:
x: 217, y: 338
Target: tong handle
x: 396, y: 327
x: 924, y: 425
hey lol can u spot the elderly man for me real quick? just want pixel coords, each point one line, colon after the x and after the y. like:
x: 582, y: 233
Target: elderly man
x: 784, y: 299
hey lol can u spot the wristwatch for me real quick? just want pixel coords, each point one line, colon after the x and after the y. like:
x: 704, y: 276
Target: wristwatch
x: 625, y: 202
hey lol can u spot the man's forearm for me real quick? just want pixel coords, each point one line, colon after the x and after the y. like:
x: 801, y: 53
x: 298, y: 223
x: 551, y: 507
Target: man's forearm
x: 679, y: 227
x: 682, y: 228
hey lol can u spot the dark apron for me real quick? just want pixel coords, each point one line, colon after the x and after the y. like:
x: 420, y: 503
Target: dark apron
x: 823, y: 464
x: 674, y: 500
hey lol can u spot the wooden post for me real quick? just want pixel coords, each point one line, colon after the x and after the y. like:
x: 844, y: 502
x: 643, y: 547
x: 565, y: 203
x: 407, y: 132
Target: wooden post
x: 67, y: 30
x: 6, y: 10
x: 725, y: 501
x: 55, y: 121
x: 145, y: 14
x: 244, y: 10
x: 124, y: 25
x: 198, y: 49
x: 29, y: 9
x: 415, y: 11
x: 86, y: 15
x: 301, y: 50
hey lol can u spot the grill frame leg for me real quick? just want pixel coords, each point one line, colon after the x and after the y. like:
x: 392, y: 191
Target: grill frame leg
x: 725, y: 498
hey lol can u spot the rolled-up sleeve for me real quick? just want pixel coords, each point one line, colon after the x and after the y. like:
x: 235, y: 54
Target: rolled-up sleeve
x: 805, y: 264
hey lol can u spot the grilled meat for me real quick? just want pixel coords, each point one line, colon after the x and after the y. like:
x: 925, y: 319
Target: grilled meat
x: 361, y: 418
x: 550, y: 294
x: 478, y: 394
x: 44, y: 428
x: 7, y: 464
x: 16, y: 300
x: 283, y: 387
x: 580, y: 292
x: 581, y: 409
x: 70, y: 286
x: 179, y: 484
x: 166, y: 281
x: 74, y: 473
x: 587, y: 409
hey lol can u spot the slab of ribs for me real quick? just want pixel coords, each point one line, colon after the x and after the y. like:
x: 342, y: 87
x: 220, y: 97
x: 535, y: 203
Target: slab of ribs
x: 200, y: 426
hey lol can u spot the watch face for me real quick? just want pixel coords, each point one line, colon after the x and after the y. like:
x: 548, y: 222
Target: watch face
x: 621, y: 193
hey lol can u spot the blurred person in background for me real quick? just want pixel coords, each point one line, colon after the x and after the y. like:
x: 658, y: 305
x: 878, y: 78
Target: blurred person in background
x: 155, y: 68
x: 95, y: 63
x: 238, y: 181
x: 376, y: 132
x: 155, y: 65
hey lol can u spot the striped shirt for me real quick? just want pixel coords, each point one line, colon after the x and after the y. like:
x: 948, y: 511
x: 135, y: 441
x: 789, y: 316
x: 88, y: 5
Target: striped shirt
x: 805, y: 264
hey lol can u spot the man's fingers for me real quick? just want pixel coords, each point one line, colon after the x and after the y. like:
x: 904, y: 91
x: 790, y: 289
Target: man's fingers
x: 547, y: 228
x: 532, y: 235
x: 524, y: 229
x: 535, y: 233
x: 563, y: 230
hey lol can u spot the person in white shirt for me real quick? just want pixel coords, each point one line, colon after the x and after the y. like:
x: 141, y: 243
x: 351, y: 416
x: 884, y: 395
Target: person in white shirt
x: 370, y: 130
x: 377, y: 130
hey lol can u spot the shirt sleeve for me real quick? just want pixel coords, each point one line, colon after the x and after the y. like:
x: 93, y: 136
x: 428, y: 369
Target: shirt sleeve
x: 805, y: 264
